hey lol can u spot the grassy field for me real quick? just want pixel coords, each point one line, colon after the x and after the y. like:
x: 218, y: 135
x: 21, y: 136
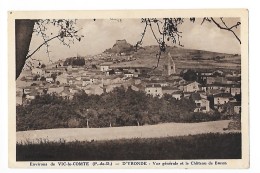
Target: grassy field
x: 204, y: 146
x: 125, y: 132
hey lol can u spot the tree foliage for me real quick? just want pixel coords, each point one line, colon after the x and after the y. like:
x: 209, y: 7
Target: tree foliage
x: 43, y: 66
x: 120, y: 107
x: 189, y: 75
x: 74, y: 61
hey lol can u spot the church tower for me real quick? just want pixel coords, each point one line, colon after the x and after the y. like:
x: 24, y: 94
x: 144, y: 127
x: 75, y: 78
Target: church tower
x: 168, y: 66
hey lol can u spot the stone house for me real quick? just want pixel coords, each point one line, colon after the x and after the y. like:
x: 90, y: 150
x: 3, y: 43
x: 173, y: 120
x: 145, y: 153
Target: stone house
x: 221, y: 99
x: 190, y: 87
x: 105, y: 66
x: 154, y: 89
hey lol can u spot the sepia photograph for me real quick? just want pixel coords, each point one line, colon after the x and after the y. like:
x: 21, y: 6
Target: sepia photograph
x: 126, y: 88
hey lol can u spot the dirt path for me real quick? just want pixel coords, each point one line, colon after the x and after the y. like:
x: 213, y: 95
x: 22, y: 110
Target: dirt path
x: 149, y: 131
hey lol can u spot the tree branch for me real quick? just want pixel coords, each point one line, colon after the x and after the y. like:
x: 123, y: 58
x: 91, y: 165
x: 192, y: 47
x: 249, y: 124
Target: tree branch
x: 228, y: 29
x: 153, y: 33
x: 159, y: 28
x: 143, y: 34
x: 45, y: 42
x: 223, y: 22
x: 158, y: 60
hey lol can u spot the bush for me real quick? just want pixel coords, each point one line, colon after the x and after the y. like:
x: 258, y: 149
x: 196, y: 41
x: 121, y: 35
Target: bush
x: 201, y: 117
x: 36, y: 77
x: 73, y: 123
x: 43, y: 78
x: 74, y: 61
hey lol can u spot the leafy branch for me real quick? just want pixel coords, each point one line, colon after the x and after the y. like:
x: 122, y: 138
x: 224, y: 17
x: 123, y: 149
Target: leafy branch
x: 167, y: 30
x: 67, y: 33
x: 44, y: 43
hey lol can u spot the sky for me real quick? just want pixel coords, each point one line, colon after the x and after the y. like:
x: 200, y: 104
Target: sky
x: 102, y: 34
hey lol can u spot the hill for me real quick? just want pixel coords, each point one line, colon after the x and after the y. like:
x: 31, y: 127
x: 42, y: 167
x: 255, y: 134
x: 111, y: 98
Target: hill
x: 185, y: 58
x: 121, y: 46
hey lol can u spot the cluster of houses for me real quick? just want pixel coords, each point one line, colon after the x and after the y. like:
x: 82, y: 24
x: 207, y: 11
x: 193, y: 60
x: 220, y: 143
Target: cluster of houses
x: 213, y: 89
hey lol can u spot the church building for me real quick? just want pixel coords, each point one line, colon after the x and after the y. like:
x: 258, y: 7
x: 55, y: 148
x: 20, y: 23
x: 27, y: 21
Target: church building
x: 168, y: 66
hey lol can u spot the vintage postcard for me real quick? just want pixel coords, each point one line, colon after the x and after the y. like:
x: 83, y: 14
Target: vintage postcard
x: 128, y: 89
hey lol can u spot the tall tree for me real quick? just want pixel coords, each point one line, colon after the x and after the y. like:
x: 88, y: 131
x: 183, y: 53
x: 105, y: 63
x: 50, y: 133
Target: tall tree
x: 23, y: 35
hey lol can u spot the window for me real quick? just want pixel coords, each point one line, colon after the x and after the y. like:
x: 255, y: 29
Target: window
x: 155, y: 90
x: 171, y: 67
x: 148, y: 91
